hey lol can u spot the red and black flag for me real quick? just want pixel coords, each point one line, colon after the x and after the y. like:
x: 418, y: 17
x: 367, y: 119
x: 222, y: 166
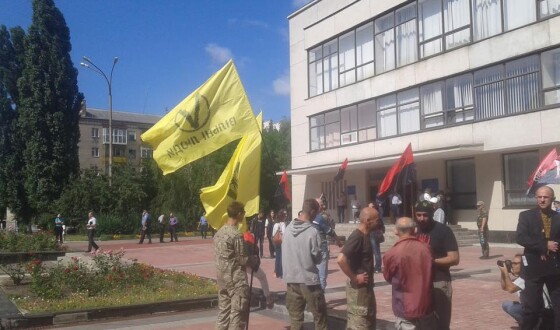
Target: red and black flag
x: 548, y: 172
x: 403, y: 172
x: 283, y: 195
x: 341, y: 170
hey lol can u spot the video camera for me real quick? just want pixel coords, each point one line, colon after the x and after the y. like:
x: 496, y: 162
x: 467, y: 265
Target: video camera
x: 506, y: 263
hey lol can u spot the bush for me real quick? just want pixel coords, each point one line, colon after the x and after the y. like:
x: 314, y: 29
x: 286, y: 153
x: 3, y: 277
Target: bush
x: 15, y: 242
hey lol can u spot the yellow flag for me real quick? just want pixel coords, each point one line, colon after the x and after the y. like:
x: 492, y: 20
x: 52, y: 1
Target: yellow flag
x: 239, y: 181
x: 215, y: 114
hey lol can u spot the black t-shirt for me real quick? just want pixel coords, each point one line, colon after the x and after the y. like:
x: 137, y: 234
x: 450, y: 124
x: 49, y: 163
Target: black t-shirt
x: 441, y: 240
x: 359, y: 253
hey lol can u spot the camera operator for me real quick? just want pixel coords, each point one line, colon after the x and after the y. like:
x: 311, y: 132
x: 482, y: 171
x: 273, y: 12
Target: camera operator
x: 513, y: 308
x: 513, y: 267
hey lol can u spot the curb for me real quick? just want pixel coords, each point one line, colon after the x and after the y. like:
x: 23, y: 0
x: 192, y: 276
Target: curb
x: 58, y: 318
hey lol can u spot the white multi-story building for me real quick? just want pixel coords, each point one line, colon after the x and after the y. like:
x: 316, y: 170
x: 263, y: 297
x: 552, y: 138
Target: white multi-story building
x: 473, y: 85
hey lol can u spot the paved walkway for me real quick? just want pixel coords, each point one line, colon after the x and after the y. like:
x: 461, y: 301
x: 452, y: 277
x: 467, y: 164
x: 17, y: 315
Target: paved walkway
x: 477, y: 295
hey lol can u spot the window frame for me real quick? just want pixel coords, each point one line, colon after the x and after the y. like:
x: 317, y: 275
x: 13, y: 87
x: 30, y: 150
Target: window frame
x: 505, y: 170
x: 451, y: 186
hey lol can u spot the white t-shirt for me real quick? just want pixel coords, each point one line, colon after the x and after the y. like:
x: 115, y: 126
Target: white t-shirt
x: 439, y: 216
x: 278, y: 226
x: 396, y: 200
x: 92, y: 222
x: 520, y: 283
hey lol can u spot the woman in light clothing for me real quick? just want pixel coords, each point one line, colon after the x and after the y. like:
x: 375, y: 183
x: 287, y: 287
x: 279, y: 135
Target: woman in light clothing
x: 279, y: 225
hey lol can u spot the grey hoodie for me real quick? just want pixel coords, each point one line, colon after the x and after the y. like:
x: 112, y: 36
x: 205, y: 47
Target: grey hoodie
x: 301, y: 253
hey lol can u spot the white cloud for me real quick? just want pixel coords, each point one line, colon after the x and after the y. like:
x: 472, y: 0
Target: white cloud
x: 300, y: 3
x: 281, y: 85
x: 218, y: 54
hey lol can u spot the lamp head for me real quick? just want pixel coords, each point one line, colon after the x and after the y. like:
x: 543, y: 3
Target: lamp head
x: 115, y: 60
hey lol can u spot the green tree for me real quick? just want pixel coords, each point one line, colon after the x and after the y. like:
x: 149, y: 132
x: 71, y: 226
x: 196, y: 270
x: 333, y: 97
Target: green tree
x: 47, y: 131
x: 276, y: 156
x: 11, y: 56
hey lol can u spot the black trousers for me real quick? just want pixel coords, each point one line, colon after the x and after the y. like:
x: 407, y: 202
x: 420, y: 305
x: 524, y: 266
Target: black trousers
x: 161, y: 232
x: 532, y: 298
x: 91, y: 242
x: 146, y: 232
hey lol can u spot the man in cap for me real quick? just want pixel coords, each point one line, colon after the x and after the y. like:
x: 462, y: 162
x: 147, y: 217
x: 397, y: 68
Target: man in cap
x: 445, y: 253
x: 482, y: 223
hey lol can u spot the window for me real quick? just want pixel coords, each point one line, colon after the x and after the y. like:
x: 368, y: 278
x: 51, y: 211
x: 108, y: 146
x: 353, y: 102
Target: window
x: 387, y: 115
x: 461, y: 181
x: 551, y: 76
x: 409, y: 111
x: 131, y: 154
x: 456, y: 22
x: 459, y: 99
x: 119, y: 136
x: 332, y: 129
x: 384, y: 43
x: 330, y: 66
x: 431, y: 100
x: 348, y: 125
x: 489, y: 92
x: 95, y: 152
x: 522, y: 84
x: 549, y: 7
x: 347, y: 59
x: 487, y: 18
x: 95, y: 132
x: 317, y: 132
x: 518, y: 168
x: 364, y: 51
x: 119, y: 151
x: 131, y: 135
x: 366, y: 121
x: 146, y: 153
x: 315, y: 71
x: 407, y: 48
x: 518, y: 13
x: 430, y: 27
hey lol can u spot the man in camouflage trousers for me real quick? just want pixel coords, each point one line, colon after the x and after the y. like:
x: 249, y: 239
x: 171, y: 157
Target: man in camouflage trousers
x: 231, y: 260
x: 356, y: 261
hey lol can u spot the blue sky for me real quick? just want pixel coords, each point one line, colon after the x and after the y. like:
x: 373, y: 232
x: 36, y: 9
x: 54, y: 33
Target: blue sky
x: 167, y: 48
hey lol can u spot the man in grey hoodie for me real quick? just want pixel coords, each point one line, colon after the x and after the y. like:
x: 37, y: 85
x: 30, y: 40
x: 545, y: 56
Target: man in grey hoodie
x: 301, y: 253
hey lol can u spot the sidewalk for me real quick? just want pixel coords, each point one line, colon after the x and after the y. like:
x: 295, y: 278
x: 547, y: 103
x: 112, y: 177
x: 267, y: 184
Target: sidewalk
x: 477, y: 295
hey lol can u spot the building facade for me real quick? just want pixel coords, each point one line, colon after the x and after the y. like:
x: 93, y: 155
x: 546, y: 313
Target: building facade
x: 473, y: 85
x: 127, y: 145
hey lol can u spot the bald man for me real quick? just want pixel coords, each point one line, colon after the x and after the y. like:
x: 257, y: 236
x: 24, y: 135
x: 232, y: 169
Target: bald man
x: 538, y: 231
x: 408, y: 268
x: 356, y: 261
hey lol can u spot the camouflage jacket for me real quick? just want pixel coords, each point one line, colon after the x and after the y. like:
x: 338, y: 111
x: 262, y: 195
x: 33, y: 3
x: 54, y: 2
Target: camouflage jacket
x: 231, y: 257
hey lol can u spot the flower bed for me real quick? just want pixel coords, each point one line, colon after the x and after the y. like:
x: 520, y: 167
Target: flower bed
x: 104, y: 282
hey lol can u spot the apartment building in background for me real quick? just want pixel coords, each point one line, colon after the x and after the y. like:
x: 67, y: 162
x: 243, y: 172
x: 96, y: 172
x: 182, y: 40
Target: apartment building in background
x: 472, y: 85
x: 127, y: 145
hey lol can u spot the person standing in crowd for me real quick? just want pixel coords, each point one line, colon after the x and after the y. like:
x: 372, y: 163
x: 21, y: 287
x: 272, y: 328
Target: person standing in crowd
x: 269, y: 224
x: 203, y: 225
x: 538, y: 231
x: 173, y: 227
x: 396, y: 202
x: 445, y: 254
x: 321, y: 222
x: 258, y: 229
x: 377, y: 237
x: 356, y: 261
x: 557, y: 206
x: 231, y: 260
x: 482, y: 224
x: 379, y: 207
x: 408, y: 268
x: 356, y: 206
x: 255, y: 269
x: 439, y: 214
x: 301, y: 246
x: 90, y: 226
x: 161, y: 221
x: 58, y: 228
x: 341, y: 207
x: 278, y: 232
x: 146, y: 227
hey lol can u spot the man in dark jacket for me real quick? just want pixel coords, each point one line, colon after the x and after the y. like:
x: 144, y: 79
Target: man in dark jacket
x: 538, y: 231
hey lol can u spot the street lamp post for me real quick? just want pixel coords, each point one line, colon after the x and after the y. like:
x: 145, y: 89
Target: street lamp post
x: 90, y: 65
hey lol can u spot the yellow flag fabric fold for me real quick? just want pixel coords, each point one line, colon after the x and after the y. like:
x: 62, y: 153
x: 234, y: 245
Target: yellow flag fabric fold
x: 215, y: 114
x: 239, y: 181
